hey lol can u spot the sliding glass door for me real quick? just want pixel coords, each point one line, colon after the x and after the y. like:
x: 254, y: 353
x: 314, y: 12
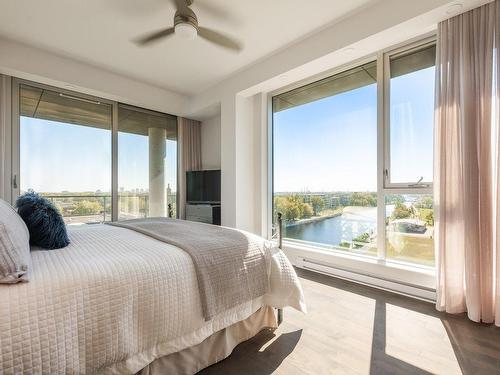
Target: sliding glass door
x: 353, y: 159
x: 65, y: 152
x: 147, y: 163
x: 96, y: 160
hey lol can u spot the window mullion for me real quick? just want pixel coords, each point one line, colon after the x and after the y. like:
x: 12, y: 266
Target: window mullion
x: 381, y: 156
x: 385, y: 108
x: 114, y: 164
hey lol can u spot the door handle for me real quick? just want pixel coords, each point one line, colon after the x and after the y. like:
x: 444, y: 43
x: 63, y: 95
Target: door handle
x: 14, y: 182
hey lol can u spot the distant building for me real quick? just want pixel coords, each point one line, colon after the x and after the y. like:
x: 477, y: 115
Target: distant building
x: 331, y: 200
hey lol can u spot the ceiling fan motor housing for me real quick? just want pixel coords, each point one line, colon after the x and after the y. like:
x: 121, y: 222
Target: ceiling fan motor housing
x: 186, y: 25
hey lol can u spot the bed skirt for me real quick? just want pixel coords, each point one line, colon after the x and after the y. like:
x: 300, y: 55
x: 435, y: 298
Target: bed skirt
x: 213, y: 349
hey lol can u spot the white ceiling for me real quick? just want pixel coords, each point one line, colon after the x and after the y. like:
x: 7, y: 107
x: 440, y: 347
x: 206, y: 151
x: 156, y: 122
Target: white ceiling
x: 99, y: 32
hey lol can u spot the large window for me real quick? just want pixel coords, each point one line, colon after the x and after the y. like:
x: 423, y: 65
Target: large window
x: 65, y: 152
x: 344, y: 156
x: 325, y: 161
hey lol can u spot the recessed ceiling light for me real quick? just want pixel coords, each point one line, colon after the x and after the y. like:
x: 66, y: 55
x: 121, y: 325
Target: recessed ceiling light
x: 454, y: 9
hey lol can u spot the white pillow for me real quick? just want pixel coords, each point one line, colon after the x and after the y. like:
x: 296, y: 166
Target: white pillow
x: 14, y: 246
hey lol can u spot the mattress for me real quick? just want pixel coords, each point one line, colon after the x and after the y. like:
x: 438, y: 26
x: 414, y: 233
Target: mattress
x: 113, y: 301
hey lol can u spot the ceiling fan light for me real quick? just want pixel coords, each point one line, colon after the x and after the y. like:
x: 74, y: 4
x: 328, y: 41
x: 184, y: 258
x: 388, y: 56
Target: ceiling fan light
x: 186, y: 30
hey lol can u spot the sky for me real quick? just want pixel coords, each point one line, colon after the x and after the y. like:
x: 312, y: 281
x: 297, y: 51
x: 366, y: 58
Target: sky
x: 331, y: 144
x: 58, y: 157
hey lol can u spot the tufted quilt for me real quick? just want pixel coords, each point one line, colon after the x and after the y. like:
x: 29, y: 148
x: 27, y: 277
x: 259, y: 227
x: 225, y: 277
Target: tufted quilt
x: 113, y: 301
x: 230, y: 264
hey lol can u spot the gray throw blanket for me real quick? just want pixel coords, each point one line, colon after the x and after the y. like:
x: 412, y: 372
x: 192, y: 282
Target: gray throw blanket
x: 230, y: 265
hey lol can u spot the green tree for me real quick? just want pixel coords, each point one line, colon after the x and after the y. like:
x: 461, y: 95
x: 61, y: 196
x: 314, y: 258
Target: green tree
x: 292, y: 207
x: 287, y: 207
x: 87, y: 208
x: 425, y: 201
x: 363, y: 237
x: 427, y: 215
x: 307, y: 210
x: 363, y: 199
x: 317, y: 204
x: 401, y: 211
x: 394, y: 198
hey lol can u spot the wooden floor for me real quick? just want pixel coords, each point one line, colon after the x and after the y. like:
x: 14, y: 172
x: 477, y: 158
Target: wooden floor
x: 353, y: 329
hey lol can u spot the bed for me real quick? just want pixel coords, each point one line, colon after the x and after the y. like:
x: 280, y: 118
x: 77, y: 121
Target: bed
x: 117, y: 301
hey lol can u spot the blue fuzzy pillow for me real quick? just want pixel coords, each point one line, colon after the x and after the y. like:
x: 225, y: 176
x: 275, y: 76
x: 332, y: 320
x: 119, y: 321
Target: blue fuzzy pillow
x: 44, y: 222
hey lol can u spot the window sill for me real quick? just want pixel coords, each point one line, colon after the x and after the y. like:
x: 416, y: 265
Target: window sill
x: 416, y: 281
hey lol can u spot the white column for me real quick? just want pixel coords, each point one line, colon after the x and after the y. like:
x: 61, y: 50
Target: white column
x: 228, y: 161
x: 240, y: 163
x: 157, y: 154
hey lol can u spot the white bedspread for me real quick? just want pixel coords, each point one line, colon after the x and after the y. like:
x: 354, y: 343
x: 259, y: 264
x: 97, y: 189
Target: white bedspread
x: 112, y: 302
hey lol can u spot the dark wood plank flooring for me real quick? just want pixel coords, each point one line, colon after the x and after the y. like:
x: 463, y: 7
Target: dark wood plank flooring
x: 354, y: 329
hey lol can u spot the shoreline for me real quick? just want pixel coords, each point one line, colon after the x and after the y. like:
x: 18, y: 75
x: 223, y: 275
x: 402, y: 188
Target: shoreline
x: 313, y: 219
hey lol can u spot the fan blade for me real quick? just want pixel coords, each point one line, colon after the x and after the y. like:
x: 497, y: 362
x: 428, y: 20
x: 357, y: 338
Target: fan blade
x: 154, y: 36
x: 218, y: 38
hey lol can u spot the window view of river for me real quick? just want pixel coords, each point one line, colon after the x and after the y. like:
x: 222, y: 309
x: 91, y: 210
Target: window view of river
x: 353, y: 222
x: 348, y: 222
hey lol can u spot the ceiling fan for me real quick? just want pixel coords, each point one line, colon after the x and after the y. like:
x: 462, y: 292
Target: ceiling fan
x: 186, y: 26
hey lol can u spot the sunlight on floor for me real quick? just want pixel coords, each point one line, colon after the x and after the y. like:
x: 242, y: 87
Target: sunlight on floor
x: 339, y: 330
x: 419, y: 340
x: 347, y: 340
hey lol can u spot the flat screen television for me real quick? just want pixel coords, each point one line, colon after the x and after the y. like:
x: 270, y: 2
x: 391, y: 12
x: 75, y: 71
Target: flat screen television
x: 203, y: 186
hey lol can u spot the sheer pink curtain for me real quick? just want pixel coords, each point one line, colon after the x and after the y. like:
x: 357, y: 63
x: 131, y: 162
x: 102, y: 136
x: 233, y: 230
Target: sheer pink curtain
x: 466, y: 163
x: 189, y: 132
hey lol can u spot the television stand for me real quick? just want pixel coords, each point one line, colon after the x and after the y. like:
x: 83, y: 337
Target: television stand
x: 203, y: 212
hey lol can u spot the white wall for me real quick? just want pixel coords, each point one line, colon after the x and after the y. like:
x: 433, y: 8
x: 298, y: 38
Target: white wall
x: 210, y: 143
x: 245, y: 163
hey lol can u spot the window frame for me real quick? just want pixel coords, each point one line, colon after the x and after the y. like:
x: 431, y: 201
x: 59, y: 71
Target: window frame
x: 382, y: 59
x: 331, y: 73
x: 16, y: 146
x: 423, y: 186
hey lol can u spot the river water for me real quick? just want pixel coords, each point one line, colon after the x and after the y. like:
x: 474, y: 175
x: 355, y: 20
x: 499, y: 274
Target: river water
x: 353, y: 222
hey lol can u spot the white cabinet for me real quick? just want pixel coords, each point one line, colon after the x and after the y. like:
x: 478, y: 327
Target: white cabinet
x: 203, y: 213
